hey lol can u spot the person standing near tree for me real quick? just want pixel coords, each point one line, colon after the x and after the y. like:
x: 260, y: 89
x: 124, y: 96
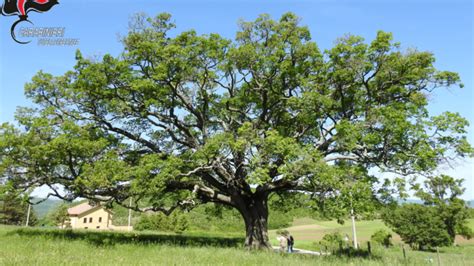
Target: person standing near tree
x: 291, y: 242
x: 283, y: 242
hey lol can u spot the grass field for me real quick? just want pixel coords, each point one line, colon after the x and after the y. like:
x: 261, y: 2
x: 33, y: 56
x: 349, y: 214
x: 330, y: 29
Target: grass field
x: 20, y: 246
x: 307, y: 231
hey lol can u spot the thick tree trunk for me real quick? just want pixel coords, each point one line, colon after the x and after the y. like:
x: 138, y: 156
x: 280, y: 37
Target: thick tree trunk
x: 255, y: 213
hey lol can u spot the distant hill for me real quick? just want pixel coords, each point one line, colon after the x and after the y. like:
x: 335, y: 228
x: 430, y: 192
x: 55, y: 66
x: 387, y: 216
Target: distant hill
x: 470, y: 203
x: 404, y: 201
x: 43, y: 208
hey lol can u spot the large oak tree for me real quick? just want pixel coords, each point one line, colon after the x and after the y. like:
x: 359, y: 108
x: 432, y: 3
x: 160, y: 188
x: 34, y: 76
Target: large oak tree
x: 179, y: 119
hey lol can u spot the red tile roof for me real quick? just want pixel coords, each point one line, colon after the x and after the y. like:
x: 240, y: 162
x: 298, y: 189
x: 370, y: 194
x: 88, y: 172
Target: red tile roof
x: 81, y: 208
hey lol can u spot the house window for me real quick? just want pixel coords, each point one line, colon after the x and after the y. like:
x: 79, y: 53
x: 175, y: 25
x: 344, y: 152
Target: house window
x: 90, y: 220
x: 85, y: 227
x: 85, y: 220
x: 100, y: 219
x: 98, y: 227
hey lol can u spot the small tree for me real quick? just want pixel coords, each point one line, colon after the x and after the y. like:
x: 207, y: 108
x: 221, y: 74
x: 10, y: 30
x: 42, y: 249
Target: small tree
x: 59, y: 216
x: 14, y: 210
x: 418, y: 225
x: 333, y: 240
x: 144, y: 223
x: 382, y: 237
x: 442, y: 192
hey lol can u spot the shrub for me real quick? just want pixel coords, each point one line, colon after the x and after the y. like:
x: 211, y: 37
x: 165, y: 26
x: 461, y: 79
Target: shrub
x: 418, y: 225
x: 332, y: 240
x: 216, y: 218
x: 382, y: 237
x: 13, y: 210
x: 176, y: 222
x: 59, y: 216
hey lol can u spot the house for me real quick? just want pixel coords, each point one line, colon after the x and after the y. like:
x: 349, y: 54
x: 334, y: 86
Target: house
x: 89, y: 216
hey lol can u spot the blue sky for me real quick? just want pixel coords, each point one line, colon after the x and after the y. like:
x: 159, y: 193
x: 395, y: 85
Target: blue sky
x: 442, y: 27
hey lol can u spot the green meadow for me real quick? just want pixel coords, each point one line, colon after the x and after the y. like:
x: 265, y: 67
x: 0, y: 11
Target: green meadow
x: 308, y: 232
x: 38, y: 246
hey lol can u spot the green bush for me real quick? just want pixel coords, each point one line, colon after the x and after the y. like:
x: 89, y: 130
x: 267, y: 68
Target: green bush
x: 179, y: 223
x: 146, y: 222
x: 13, y: 210
x: 418, y: 225
x: 332, y: 240
x: 382, y: 237
x: 215, y: 218
x: 176, y: 222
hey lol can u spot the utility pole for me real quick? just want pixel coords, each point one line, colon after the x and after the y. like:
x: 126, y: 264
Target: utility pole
x: 28, y: 215
x: 354, y: 234
x: 130, y: 215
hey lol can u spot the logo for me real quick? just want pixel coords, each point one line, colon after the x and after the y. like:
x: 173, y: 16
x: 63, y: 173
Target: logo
x: 21, y: 8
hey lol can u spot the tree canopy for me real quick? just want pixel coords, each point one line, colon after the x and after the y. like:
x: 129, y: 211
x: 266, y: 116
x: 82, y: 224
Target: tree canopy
x: 180, y: 118
x: 443, y: 192
x: 419, y: 226
x: 59, y: 216
x: 14, y: 209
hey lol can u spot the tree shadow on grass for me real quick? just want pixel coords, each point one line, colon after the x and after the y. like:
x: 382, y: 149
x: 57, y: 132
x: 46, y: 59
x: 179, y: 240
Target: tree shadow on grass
x: 108, y: 238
